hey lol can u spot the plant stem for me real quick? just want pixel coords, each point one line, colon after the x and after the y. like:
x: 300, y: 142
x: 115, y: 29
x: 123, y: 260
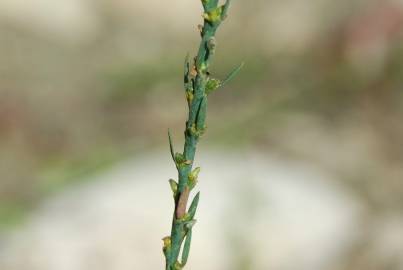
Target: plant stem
x: 198, y: 84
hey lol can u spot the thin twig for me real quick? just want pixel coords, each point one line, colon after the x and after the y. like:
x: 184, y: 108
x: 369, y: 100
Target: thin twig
x: 198, y: 84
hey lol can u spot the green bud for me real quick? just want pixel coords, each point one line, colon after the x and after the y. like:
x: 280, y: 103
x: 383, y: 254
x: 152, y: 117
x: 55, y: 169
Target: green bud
x: 185, y: 218
x: 211, y: 44
x: 167, y: 246
x: 213, y: 15
x: 212, y: 85
x: 193, y: 177
x: 174, y: 186
x: 189, y: 96
x: 193, y: 130
x: 179, y: 158
x: 203, y: 67
x: 178, y: 266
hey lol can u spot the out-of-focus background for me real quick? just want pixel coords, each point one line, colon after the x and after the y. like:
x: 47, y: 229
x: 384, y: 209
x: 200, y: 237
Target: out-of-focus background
x: 301, y: 163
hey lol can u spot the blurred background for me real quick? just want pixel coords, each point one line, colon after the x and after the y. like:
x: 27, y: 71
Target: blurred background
x: 301, y: 163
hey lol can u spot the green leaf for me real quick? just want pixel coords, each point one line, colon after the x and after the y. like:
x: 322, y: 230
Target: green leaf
x: 232, y: 74
x: 174, y: 186
x: 171, y: 147
x: 193, y: 206
x: 167, y: 245
x: 186, y: 247
x: 194, y: 174
x: 225, y: 8
x: 193, y: 177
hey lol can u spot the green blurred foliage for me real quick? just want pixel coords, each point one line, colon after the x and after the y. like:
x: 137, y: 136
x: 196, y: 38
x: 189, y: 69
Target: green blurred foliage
x: 68, y: 109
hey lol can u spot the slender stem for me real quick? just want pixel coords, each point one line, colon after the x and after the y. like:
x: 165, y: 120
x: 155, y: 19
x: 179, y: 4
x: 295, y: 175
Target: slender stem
x: 196, y: 79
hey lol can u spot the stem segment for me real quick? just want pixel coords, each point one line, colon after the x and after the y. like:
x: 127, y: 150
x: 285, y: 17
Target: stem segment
x: 196, y: 78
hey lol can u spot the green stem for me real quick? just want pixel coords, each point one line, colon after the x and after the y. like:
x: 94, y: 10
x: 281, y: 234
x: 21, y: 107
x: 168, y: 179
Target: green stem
x: 195, y: 79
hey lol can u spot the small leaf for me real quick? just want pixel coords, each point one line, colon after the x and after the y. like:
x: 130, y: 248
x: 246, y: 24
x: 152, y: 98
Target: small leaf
x: 166, y: 248
x: 211, y: 45
x: 171, y: 147
x: 203, y: 67
x: 193, y: 206
x: 225, y: 8
x: 174, y: 186
x: 232, y: 74
x: 167, y: 241
x: 193, y: 177
x: 186, y: 247
x: 200, y: 28
x: 189, y: 96
x: 194, y: 174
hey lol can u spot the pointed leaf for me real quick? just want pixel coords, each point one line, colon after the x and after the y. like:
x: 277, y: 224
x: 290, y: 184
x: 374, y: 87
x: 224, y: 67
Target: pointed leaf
x: 194, y: 174
x: 225, y: 9
x: 186, y: 247
x: 171, y: 147
x: 174, y: 186
x: 193, y: 177
x: 193, y: 206
x: 232, y: 74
